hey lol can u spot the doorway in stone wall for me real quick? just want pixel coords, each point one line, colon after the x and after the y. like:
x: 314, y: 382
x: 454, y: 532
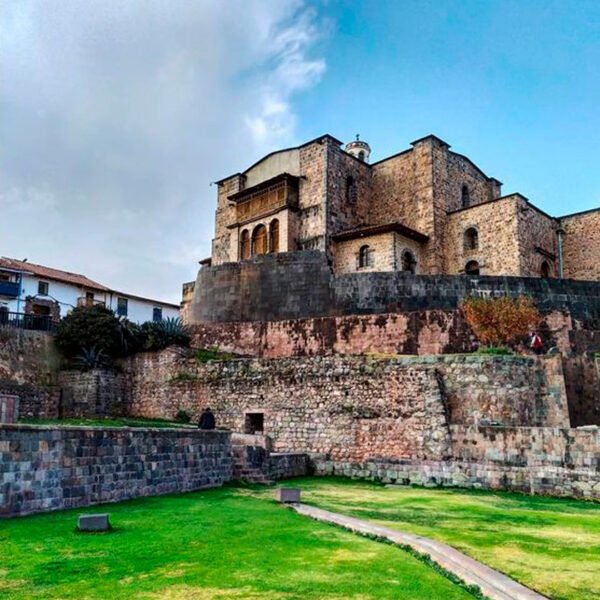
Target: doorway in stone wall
x: 254, y: 423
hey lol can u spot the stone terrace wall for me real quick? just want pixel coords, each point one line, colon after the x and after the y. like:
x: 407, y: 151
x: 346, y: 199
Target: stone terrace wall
x: 300, y: 285
x: 424, y: 332
x: 44, y: 468
x: 92, y: 393
x: 553, y: 461
x: 582, y: 378
x: 27, y: 356
x: 353, y: 407
x: 38, y: 401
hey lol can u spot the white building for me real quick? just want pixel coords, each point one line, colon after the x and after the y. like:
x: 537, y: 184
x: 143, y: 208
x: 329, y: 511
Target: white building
x: 33, y: 291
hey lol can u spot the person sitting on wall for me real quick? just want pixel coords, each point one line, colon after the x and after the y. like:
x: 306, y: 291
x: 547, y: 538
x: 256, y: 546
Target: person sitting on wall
x: 207, y: 419
x: 536, y: 343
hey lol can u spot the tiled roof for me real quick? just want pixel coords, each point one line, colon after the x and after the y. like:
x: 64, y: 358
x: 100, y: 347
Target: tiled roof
x: 54, y: 274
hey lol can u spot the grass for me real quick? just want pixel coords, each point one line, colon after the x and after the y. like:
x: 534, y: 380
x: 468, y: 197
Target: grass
x: 112, y: 422
x: 228, y: 543
x: 549, y: 544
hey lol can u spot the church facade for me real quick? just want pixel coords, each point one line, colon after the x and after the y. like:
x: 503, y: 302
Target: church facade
x: 426, y: 210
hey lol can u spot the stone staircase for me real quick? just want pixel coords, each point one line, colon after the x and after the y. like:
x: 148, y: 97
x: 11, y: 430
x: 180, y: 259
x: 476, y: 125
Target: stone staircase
x: 251, y: 458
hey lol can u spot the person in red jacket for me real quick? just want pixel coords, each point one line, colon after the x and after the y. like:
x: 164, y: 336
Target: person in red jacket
x: 536, y: 343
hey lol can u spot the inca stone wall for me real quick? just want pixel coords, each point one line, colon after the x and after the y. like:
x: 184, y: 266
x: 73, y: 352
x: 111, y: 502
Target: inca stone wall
x: 301, y: 285
x: 50, y: 468
x: 582, y: 378
x: 27, y: 356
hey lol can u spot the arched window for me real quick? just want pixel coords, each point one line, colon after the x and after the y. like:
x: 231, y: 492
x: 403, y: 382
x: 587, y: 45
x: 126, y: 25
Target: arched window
x: 364, y: 257
x: 274, y: 236
x: 472, y: 268
x: 409, y: 262
x: 350, y: 190
x: 465, y: 197
x: 245, y: 245
x: 545, y: 270
x: 361, y: 155
x: 471, y: 239
x: 259, y: 240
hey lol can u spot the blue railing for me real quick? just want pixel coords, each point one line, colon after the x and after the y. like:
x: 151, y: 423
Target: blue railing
x: 9, y: 288
x: 26, y: 321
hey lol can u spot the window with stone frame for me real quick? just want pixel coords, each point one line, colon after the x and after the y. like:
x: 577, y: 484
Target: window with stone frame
x: 408, y: 262
x: 471, y: 239
x: 274, y: 236
x: 245, y: 245
x: 260, y: 243
x: 465, y: 197
x: 365, y: 258
x: 351, y: 192
x: 472, y: 268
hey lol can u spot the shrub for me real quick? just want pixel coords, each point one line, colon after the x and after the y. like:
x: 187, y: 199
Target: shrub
x: 91, y: 358
x: 501, y: 321
x: 183, y: 416
x: 496, y: 351
x: 90, y: 327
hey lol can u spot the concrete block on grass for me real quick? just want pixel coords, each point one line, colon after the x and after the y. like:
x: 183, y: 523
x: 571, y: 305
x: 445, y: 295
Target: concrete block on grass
x: 97, y: 522
x: 288, y: 495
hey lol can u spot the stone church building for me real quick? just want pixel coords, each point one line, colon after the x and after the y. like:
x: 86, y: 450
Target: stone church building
x: 426, y: 210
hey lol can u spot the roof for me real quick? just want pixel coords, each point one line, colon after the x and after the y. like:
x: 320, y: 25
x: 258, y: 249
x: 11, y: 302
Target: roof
x: 53, y: 274
x: 76, y: 279
x: 367, y: 230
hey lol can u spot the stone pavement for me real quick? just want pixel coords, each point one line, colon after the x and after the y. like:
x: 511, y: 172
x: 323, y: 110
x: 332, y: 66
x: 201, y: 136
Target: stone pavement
x: 492, y: 583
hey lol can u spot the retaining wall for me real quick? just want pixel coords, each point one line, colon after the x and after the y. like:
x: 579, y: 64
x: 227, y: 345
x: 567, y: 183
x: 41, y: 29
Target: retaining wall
x: 299, y: 285
x: 50, y: 468
x: 536, y: 460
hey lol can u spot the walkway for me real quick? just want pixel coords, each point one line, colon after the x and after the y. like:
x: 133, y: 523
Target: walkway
x: 493, y: 584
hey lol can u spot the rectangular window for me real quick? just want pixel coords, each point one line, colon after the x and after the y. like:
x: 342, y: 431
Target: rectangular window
x: 43, y: 288
x: 122, y: 307
x: 157, y: 314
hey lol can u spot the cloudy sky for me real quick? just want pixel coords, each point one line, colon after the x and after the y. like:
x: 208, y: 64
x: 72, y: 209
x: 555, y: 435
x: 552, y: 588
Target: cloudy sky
x: 115, y: 115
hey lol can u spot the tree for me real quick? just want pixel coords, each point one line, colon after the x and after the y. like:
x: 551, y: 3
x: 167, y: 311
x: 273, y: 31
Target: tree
x: 501, y: 321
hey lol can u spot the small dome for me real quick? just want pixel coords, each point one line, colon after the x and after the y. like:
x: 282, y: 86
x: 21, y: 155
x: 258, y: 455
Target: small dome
x: 359, y: 149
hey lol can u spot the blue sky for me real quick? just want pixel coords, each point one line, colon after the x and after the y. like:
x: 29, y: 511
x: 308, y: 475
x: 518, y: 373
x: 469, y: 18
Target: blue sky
x: 513, y: 85
x: 115, y: 115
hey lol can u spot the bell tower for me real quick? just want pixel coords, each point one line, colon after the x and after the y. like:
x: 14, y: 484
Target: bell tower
x: 359, y: 149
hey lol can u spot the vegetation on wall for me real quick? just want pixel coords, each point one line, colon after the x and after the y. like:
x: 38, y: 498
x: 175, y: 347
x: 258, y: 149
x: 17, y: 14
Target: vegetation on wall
x: 93, y: 336
x: 501, y: 321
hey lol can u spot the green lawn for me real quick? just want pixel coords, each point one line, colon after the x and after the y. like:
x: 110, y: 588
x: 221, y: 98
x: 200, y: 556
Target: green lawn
x: 549, y: 544
x: 228, y: 543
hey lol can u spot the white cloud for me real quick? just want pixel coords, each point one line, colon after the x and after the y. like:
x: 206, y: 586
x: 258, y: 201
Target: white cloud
x: 116, y: 115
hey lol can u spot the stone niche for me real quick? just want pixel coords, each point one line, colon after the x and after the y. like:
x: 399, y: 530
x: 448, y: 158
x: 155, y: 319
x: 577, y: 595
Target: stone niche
x: 9, y: 408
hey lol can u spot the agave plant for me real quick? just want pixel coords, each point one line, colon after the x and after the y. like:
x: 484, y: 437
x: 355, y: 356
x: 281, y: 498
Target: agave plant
x: 91, y: 358
x: 168, y: 332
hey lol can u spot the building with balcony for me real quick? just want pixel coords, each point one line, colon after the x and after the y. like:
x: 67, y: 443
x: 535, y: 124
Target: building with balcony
x: 43, y: 295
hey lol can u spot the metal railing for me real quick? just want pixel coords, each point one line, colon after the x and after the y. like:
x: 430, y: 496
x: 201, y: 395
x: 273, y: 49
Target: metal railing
x: 26, y: 321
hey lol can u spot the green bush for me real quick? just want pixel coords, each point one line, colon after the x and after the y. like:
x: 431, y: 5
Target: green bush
x: 156, y: 335
x: 183, y: 416
x: 90, y: 327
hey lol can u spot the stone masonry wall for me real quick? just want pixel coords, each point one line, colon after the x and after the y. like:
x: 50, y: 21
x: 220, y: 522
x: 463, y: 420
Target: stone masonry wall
x: 92, y: 393
x: 422, y: 333
x: 27, y: 356
x: 536, y: 460
x: 348, y: 408
x: 49, y: 468
x: 581, y: 247
x: 301, y: 285
x: 496, y: 225
x: 582, y: 378
x: 353, y: 408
